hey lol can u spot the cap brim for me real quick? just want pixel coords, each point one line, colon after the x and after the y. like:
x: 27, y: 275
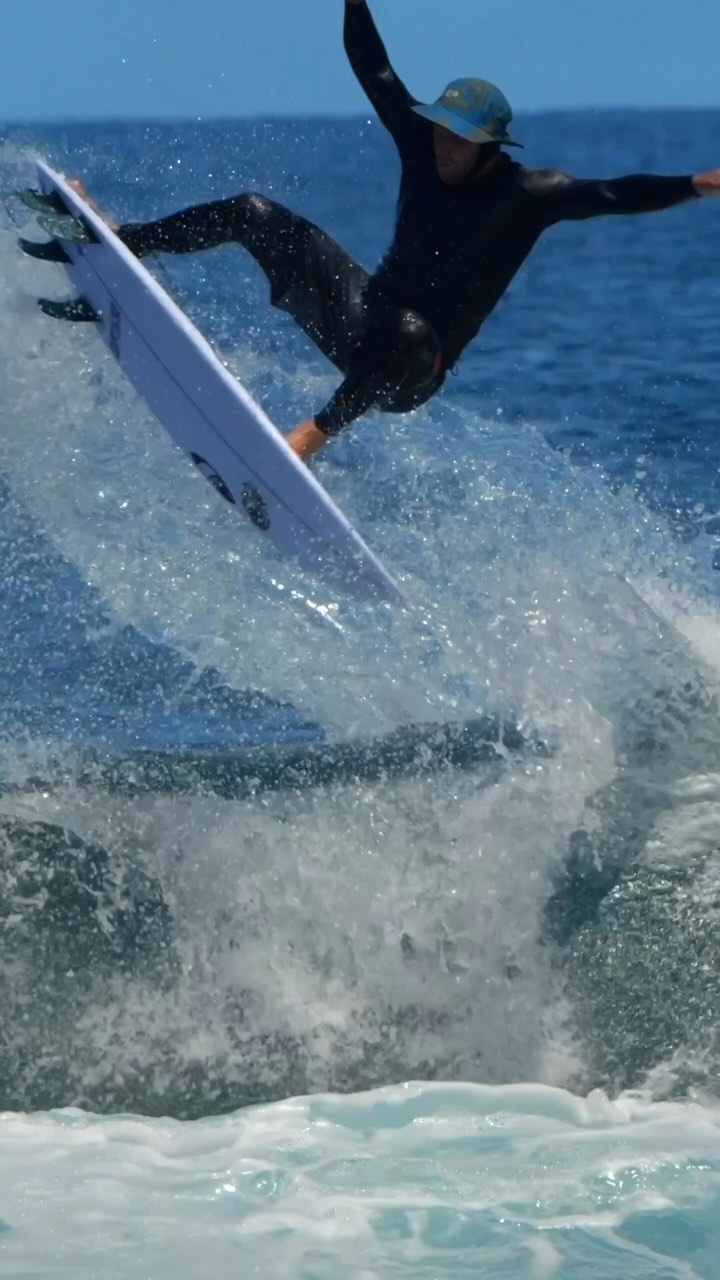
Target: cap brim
x: 463, y: 128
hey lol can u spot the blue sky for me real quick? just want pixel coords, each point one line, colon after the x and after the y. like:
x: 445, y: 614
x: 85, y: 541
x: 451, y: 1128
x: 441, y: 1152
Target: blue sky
x: 213, y: 58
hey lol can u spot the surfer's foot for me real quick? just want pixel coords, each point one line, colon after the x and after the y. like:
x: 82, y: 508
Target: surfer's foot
x: 77, y: 185
x: 307, y: 439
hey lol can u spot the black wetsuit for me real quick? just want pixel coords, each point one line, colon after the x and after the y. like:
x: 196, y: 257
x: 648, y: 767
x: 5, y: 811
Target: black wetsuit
x: 394, y: 334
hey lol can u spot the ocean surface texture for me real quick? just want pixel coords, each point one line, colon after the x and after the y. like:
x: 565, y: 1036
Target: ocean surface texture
x: 339, y: 940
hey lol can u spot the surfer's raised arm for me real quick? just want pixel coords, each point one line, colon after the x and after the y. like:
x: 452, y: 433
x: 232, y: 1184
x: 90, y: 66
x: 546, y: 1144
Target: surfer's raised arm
x: 369, y: 60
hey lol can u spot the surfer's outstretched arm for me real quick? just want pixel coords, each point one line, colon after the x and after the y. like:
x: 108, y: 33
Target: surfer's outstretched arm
x: 396, y: 367
x: 355, y: 395
x: 568, y: 198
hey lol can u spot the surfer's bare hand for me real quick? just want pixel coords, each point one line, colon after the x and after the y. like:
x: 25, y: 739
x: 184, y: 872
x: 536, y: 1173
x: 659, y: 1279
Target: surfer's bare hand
x: 707, y: 184
x: 78, y: 187
x: 307, y: 439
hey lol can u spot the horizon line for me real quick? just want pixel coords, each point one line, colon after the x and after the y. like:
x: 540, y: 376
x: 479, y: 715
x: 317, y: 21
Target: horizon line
x: 311, y: 116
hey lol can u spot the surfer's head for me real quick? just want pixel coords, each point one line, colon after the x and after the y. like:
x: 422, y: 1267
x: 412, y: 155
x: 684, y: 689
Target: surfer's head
x: 470, y: 116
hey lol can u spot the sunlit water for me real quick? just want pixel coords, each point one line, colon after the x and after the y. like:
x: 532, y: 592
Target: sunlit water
x: 539, y: 933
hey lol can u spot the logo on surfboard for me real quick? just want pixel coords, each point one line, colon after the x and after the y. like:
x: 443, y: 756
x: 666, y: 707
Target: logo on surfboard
x: 250, y: 498
x: 211, y: 474
x: 256, y: 507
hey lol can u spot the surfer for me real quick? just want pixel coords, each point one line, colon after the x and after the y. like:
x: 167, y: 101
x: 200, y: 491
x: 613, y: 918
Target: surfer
x: 467, y: 217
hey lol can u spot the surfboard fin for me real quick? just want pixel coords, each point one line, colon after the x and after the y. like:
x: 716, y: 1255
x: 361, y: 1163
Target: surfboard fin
x: 41, y: 201
x: 45, y: 250
x: 66, y: 227
x: 73, y: 309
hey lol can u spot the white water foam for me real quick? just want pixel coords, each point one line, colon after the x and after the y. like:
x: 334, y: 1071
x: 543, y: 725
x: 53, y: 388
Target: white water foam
x: 416, y: 1180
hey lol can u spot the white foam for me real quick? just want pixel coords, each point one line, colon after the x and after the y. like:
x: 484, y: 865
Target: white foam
x: 411, y: 1180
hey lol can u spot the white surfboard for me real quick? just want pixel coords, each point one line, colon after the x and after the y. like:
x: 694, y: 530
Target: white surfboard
x: 208, y: 412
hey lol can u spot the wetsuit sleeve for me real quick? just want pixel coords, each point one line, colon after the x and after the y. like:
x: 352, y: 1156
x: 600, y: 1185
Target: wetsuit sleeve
x: 352, y: 399
x: 384, y: 88
x: 566, y: 198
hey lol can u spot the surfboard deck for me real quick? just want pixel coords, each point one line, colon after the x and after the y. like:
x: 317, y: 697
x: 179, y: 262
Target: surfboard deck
x: 201, y: 405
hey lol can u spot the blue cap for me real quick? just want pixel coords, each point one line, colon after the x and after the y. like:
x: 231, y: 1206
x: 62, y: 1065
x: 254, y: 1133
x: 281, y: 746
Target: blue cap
x: 473, y: 109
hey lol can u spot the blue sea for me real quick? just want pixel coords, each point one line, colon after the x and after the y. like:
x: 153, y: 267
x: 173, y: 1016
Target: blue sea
x: 277, y: 1000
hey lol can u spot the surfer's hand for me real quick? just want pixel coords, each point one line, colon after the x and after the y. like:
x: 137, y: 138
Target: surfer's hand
x: 307, y: 439
x: 707, y: 184
x: 78, y: 187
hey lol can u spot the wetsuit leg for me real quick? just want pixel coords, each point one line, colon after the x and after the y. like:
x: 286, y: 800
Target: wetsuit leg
x: 311, y: 277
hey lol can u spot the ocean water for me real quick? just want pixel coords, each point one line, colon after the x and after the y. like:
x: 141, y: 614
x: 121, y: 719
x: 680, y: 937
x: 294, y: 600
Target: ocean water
x: 440, y: 1012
